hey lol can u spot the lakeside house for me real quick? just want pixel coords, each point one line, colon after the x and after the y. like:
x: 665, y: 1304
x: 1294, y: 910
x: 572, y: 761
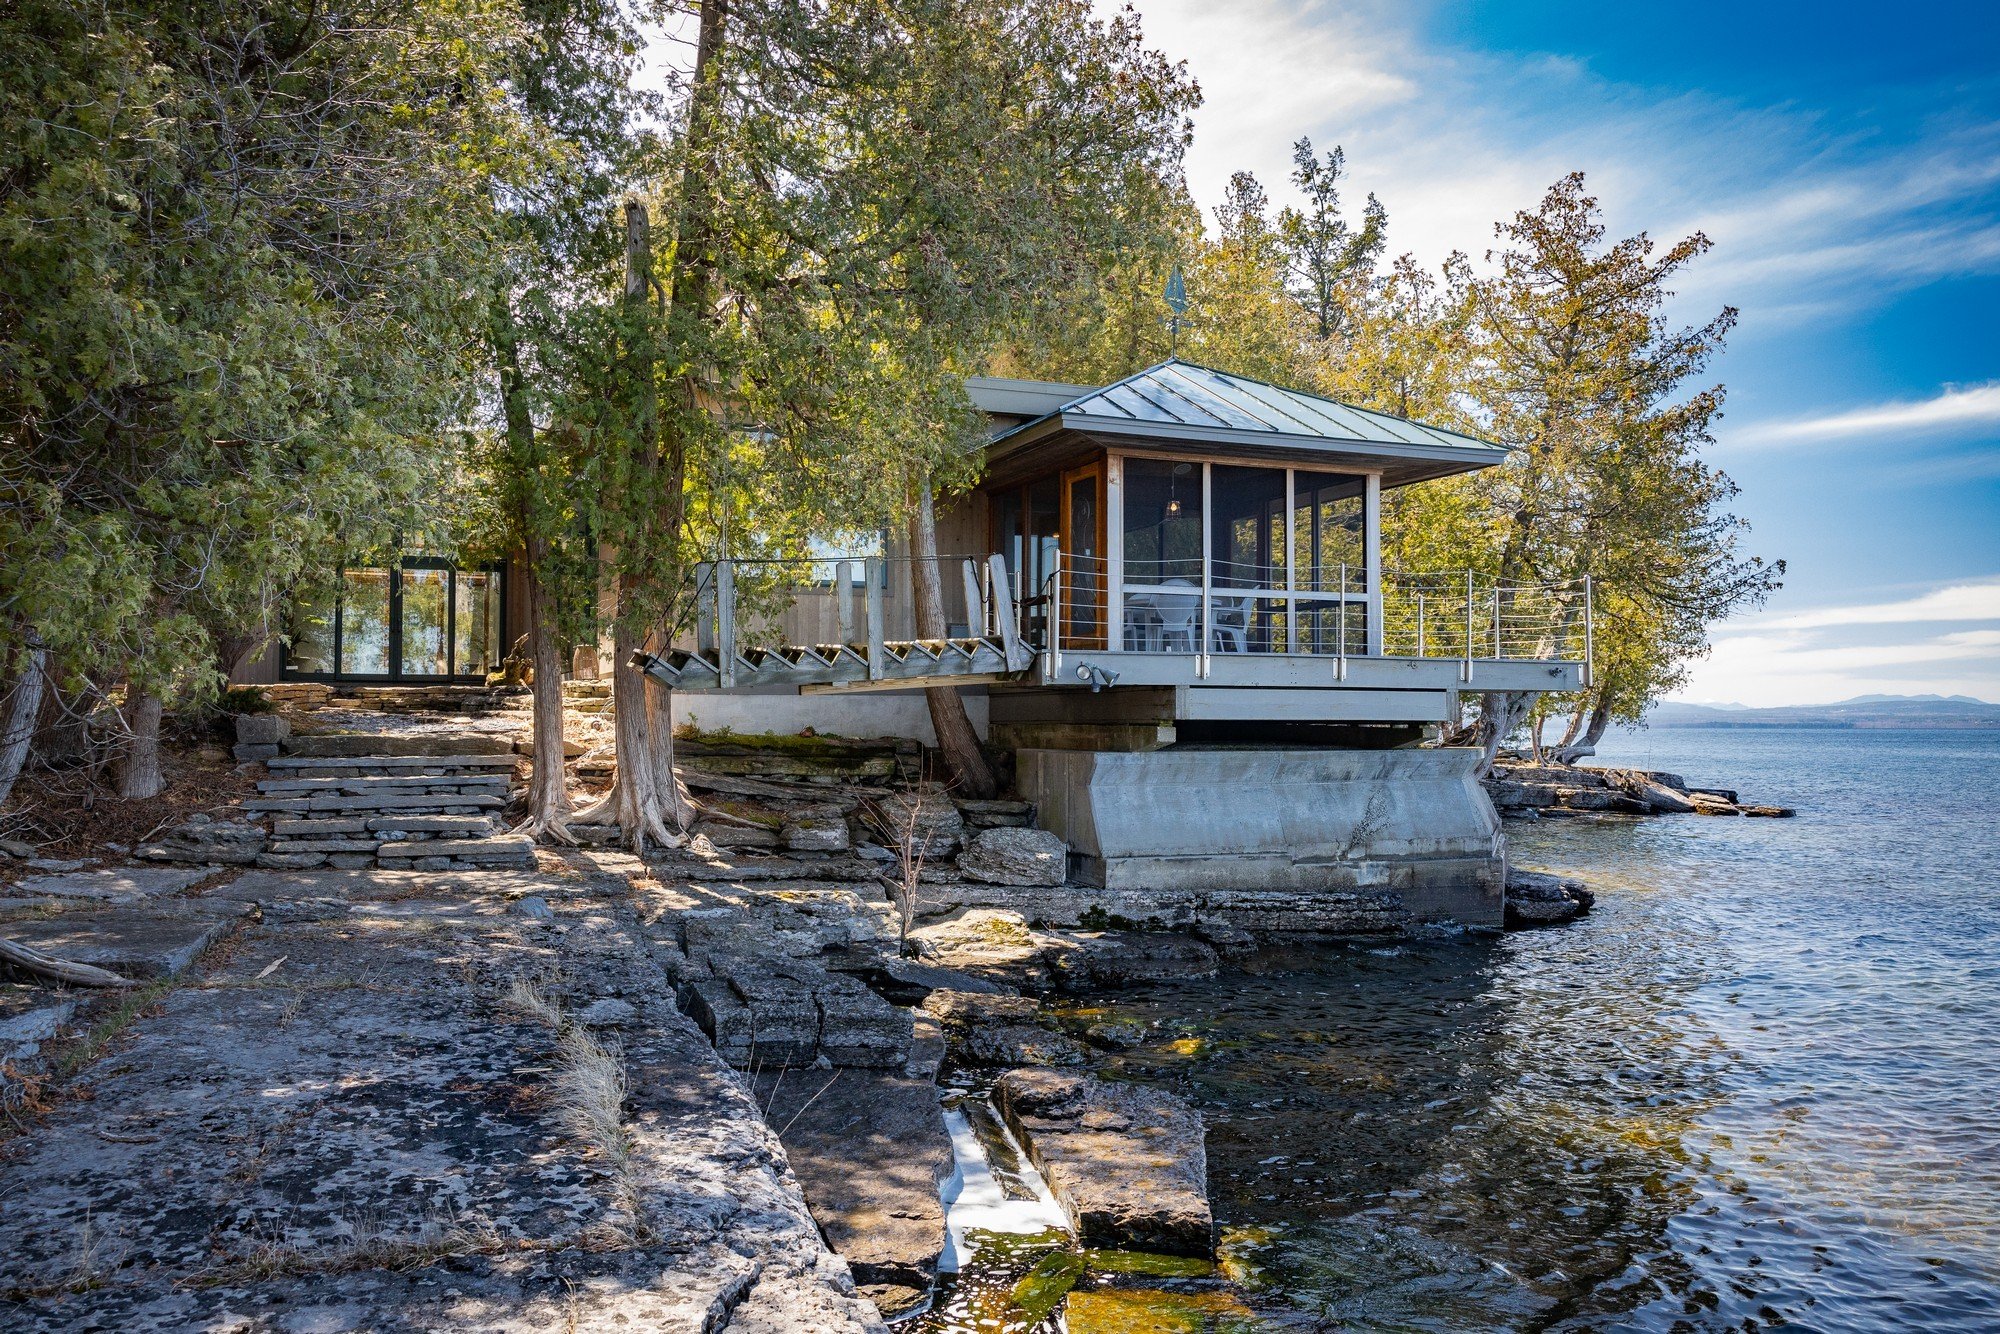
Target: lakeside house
x: 1165, y: 594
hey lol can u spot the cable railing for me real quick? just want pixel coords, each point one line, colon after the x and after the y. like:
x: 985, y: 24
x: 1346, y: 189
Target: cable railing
x: 1242, y: 608
x: 851, y: 620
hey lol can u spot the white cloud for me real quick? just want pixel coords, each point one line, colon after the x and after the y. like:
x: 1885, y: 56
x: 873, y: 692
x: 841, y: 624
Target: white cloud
x: 1978, y: 600
x: 1975, y: 405
x: 1455, y: 140
x: 1834, y: 653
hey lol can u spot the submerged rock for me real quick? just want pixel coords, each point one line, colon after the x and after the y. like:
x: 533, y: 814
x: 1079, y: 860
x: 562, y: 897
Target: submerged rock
x: 989, y: 1030
x: 1126, y: 1163
x: 1536, y: 898
x: 1133, y: 958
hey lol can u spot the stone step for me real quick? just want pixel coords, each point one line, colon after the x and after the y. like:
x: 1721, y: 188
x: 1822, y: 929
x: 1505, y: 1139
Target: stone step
x: 501, y: 761
x: 332, y: 803
x: 437, y: 826
x: 433, y: 745
x: 500, y: 850
x: 295, y: 787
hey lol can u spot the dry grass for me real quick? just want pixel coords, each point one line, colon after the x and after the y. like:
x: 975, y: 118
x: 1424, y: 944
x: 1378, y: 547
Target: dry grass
x: 590, y: 1093
x: 587, y: 1095
x: 369, y: 1244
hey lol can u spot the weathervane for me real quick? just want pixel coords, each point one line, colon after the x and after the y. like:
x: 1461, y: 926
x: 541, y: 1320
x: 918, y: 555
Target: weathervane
x: 1176, y: 299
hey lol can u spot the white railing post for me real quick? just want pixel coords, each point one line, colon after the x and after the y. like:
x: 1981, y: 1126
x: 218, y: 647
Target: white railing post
x: 1589, y: 637
x: 1053, y: 611
x: 725, y: 623
x: 704, y: 607
x: 1340, y: 630
x: 1420, y: 627
x: 1498, y: 652
x: 1466, y: 671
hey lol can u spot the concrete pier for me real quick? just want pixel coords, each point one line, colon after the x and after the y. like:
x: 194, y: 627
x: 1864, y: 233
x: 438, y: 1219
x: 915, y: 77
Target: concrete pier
x: 1277, y: 839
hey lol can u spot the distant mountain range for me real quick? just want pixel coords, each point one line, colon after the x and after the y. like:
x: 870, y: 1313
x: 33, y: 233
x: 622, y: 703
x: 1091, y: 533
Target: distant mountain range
x: 1861, y: 711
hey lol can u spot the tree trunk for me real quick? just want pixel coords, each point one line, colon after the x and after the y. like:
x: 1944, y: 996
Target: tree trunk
x: 548, y: 784
x: 634, y: 801
x: 1499, y: 714
x: 1574, y: 749
x: 23, y: 711
x: 139, y: 773
x: 957, y: 742
x: 660, y: 752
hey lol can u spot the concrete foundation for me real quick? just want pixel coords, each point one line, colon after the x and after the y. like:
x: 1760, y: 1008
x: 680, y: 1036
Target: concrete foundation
x: 1278, y: 839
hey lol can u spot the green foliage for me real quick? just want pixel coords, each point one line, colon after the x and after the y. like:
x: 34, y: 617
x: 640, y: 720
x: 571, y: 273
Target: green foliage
x: 232, y: 309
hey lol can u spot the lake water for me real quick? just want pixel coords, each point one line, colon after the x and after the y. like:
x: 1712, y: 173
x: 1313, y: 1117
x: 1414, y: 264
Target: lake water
x: 1755, y: 1089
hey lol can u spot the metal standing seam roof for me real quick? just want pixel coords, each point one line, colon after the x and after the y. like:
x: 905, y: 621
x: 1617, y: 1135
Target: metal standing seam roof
x: 1181, y: 394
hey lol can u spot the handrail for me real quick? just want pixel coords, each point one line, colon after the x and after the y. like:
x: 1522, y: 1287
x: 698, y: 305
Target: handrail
x: 745, y: 609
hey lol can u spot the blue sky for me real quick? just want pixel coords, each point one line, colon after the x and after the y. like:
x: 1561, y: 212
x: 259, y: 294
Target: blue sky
x: 1845, y: 159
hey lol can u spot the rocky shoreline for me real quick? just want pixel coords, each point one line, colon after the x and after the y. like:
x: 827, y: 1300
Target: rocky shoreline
x: 1527, y: 790
x: 591, y: 1050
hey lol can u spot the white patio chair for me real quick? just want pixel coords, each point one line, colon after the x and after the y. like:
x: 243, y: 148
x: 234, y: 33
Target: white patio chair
x: 1231, y: 625
x: 1177, y: 613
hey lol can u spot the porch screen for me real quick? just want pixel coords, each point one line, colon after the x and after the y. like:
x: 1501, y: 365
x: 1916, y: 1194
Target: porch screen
x: 1163, y: 508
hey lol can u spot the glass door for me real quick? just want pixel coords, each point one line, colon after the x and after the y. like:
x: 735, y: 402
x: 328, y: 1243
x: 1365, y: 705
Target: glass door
x: 424, y: 620
x: 1084, y: 564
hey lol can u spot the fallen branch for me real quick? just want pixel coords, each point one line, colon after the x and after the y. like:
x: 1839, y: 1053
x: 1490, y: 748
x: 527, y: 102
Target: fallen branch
x: 62, y: 970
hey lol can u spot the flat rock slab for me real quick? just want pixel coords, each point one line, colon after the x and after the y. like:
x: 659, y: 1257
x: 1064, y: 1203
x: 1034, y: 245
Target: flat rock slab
x: 31, y: 1015
x: 146, y: 940
x: 991, y: 943
x: 124, y: 883
x: 870, y: 1149
x: 1126, y: 1163
x: 364, y: 1074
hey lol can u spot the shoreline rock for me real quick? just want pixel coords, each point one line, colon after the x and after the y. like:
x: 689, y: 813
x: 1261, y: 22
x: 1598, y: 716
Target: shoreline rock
x: 1127, y: 1163
x: 1537, y: 898
x: 1539, y: 791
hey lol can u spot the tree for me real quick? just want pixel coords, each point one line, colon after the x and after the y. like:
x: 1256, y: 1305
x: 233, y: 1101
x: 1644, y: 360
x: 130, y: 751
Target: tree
x: 1575, y: 362
x: 572, y: 84
x: 1325, y: 259
x: 856, y: 210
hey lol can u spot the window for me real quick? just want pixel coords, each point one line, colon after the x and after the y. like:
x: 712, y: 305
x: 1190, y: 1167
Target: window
x: 422, y: 619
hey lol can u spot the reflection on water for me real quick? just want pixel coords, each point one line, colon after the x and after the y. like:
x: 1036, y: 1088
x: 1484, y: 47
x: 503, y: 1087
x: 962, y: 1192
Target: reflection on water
x: 1754, y: 1089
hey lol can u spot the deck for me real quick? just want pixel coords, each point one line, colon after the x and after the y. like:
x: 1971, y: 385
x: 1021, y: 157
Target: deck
x: 1394, y: 648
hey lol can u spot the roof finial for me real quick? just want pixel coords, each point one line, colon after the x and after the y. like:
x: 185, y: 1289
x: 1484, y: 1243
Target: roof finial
x: 1176, y: 299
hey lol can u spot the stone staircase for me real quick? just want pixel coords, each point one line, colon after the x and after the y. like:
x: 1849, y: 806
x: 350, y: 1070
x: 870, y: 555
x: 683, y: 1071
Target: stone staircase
x: 420, y: 811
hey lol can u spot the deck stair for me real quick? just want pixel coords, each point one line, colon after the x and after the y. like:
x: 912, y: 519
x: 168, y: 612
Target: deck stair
x: 861, y: 658
x: 432, y: 811
x: 886, y: 665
